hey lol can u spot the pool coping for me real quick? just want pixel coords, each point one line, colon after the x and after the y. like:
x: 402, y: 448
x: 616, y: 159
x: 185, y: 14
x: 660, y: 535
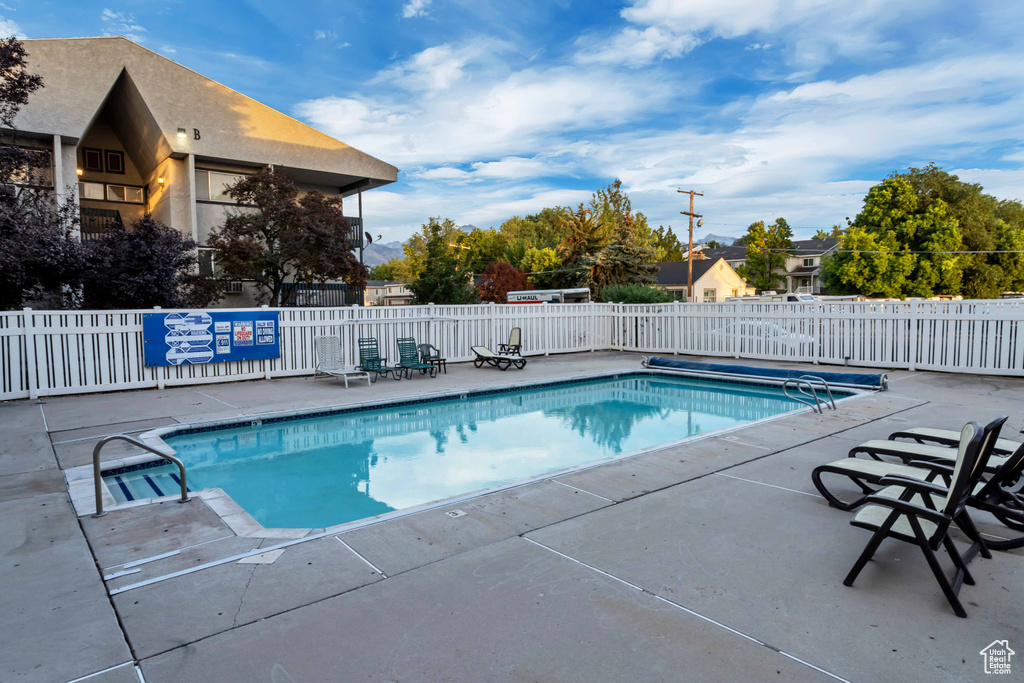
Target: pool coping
x: 81, y: 486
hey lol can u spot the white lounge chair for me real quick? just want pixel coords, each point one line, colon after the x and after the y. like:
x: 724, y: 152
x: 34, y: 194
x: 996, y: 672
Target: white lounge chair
x: 485, y: 355
x: 330, y: 362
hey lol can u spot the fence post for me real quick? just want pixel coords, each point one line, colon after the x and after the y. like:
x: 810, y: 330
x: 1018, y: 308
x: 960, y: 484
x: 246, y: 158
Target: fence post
x: 912, y: 337
x: 736, y: 336
x: 30, y: 354
x: 492, y: 337
x: 159, y: 370
x: 815, y: 333
x: 547, y: 327
x: 267, y: 362
x: 618, y: 326
x: 677, y: 341
x: 593, y: 326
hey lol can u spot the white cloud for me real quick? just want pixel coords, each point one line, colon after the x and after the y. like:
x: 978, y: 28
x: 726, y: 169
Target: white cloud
x: 9, y: 27
x: 122, y: 24
x: 435, y: 68
x: 324, y: 35
x: 636, y: 47
x: 415, y: 8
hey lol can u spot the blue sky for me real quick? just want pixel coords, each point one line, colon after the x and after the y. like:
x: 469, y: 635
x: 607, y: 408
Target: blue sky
x: 771, y: 108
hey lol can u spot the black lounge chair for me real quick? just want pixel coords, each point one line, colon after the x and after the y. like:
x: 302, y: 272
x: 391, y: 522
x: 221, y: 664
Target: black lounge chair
x: 515, y: 343
x: 485, y: 355
x: 949, y: 437
x: 867, y: 473
x: 879, y: 449
x: 370, y: 360
x: 906, y: 510
x: 409, y: 359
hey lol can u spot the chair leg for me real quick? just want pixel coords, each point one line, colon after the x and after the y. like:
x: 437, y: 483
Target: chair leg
x: 947, y: 589
x: 958, y: 562
x: 966, y: 524
x: 869, y: 552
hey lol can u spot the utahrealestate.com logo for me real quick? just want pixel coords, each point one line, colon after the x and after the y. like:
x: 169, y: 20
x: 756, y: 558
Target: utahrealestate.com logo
x: 997, y: 657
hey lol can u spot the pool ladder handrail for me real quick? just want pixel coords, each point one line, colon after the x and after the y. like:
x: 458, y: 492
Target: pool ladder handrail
x: 805, y: 385
x: 98, y: 477
x: 815, y: 380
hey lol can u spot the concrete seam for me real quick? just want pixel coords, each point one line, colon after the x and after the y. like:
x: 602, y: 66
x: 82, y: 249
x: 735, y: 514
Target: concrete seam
x: 230, y: 405
x: 97, y: 673
x: 684, y: 609
x: 43, y: 413
x: 356, y: 553
x: 577, y: 488
x: 138, y: 672
x: 761, y: 483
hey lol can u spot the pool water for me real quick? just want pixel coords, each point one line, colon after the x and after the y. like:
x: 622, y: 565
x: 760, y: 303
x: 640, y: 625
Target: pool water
x: 321, y: 471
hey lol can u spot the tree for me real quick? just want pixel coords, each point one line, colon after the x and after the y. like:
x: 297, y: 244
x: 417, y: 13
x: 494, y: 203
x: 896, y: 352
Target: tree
x: 442, y: 279
x: 485, y: 247
x: 767, y: 249
x: 147, y: 264
x: 41, y: 262
x: 916, y: 238
x: 626, y: 261
x: 667, y: 246
x: 835, y: 232
x: 500, y: 278
x: 537, y: 263
x: 274, y: 236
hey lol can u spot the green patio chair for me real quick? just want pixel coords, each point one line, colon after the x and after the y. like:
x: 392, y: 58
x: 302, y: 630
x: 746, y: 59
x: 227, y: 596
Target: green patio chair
x: 409, y: 358
x: 370, y: 360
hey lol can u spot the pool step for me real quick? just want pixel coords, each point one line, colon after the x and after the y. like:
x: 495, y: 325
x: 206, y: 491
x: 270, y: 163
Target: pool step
x: 151, y: 482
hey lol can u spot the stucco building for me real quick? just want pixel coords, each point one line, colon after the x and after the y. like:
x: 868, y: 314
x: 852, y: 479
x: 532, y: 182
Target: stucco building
x: 131, y: 132
x: 714, y: 280
x: 802, y: 270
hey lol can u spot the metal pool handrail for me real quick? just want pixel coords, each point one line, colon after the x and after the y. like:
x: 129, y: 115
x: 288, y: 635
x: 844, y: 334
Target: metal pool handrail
x: 814, y: 379
x: 800, y: 384
x: 98, y: 479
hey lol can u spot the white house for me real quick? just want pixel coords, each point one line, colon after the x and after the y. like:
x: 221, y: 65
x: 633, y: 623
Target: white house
x: 713, y: 280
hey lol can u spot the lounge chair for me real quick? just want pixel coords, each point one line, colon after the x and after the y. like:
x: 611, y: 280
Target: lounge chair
x: 431, y: 354
x: 330, y: 362
x: 868, y: 473
x: 370, y: 360
x: 409, y: 360
x: 485, y: 355
x: 879, y: 449
x: 514, y: 345
x: 949, y: 437
x: 893, y: 513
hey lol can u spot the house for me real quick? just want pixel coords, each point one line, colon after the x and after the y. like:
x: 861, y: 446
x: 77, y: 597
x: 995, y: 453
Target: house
x: 386, y: 293
x: 713, y: 280
x: 131, y: 132
x: 802, y: 268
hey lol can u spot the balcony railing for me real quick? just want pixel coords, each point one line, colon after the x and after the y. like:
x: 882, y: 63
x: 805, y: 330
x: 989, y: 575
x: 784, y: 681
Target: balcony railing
x: 96, y: 222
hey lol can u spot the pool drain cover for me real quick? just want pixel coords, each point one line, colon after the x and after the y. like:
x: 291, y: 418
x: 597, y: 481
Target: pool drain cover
x: 455, y: 513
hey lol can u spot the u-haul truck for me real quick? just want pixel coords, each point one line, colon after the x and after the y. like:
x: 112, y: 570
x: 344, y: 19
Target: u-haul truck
x: 580, y: 295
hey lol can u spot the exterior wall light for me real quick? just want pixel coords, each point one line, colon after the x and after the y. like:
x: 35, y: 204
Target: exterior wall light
x: 160, y: 181
x: 78, y: 171
x: 182, y: 133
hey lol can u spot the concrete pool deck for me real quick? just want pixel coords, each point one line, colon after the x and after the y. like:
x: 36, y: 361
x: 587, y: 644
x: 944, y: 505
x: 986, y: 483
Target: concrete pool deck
x: 711, y: 560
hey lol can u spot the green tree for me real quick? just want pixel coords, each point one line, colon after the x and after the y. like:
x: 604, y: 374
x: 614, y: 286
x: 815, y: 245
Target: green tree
x: 443, y: 278
x: 835, y: 232
x: 536, y: 262
x: 667, y: 246
x: 626, y: 261
x: 767, y: 249
x: 919, y: 230
x: 485, y: 247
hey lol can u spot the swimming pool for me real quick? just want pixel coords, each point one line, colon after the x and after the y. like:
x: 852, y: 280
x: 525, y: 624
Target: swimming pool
x: 325, y: 470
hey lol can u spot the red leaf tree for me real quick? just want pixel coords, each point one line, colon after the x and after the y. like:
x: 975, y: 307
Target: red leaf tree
x: 500, y: 278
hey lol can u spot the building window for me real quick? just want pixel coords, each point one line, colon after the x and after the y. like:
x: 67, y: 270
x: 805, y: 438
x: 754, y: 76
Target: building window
x: 92, y: 160
x: 808, y: 262
x: 710, y: 296
x: 679, y: 294
x: 91, y: 191
x: 213, y: 185
x: 206, y: 265
x: 113, y: 161
x: 735, y: 292
x: 125, y: 193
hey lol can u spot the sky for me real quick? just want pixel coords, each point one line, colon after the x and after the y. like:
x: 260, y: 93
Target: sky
x: 790, y: 108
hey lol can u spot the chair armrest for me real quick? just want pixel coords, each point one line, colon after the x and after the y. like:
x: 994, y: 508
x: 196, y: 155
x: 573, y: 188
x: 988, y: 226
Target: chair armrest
x: 915, y: 485
x: 906, y: 507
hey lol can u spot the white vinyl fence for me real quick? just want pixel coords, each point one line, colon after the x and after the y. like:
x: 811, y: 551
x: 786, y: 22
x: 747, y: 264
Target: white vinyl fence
x: 44, y: 353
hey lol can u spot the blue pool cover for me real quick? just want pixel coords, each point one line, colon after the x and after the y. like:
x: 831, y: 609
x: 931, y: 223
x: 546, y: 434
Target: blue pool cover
x: 838, y: 378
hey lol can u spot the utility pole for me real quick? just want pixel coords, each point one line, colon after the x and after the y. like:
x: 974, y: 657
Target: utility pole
x: 689, y: 254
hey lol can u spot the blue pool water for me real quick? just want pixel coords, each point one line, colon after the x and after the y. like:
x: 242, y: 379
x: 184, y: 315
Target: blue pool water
x: 321, y: 471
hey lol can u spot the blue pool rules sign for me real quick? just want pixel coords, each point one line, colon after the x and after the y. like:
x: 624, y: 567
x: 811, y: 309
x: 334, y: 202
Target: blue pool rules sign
x: 209, y: 337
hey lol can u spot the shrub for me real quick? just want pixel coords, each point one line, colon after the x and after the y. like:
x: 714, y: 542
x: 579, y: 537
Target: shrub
x: 634, y: 294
